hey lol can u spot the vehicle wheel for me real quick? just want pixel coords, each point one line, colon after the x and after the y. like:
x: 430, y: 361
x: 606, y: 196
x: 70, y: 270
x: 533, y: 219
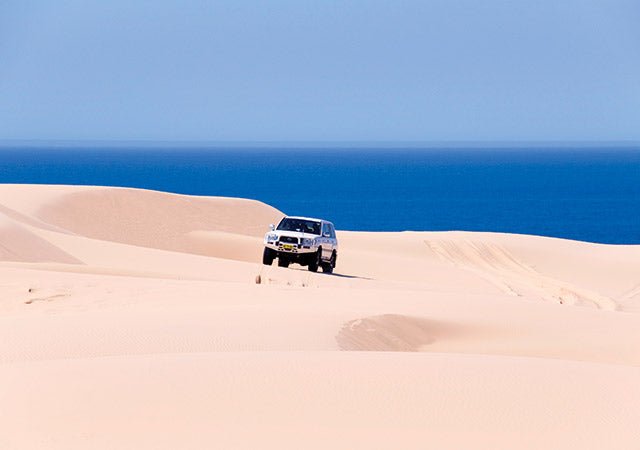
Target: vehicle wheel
x: 328, y: 266
x: 314, y: 262
x: 283, y: 262
x: 268, y: 256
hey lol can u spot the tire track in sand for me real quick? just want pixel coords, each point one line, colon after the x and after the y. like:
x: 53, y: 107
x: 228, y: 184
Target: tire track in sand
x: 496, y: 265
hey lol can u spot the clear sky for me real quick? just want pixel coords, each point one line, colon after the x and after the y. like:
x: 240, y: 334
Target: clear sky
x: 320, y: 70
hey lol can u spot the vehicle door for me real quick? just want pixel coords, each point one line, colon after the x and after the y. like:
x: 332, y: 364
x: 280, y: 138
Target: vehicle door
x: 325, y: 240
x: 334, y: 239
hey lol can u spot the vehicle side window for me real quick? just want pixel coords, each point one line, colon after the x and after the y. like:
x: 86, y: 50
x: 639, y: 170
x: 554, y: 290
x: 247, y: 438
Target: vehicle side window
x: 325, y: 229
x: 332, y: 231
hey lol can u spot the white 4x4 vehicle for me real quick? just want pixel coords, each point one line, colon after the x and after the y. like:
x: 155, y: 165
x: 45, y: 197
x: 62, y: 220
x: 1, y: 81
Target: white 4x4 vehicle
x: 303, y: 240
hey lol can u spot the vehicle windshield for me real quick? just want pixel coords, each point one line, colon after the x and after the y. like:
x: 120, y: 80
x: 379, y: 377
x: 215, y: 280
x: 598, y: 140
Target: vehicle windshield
x: 303, y: 226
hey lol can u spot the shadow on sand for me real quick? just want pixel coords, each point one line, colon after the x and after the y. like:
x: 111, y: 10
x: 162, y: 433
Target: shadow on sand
x: 334, y: 274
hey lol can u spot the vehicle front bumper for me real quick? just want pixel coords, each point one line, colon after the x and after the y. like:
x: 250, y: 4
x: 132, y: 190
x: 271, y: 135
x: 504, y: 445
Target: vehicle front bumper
x: 290, y: 248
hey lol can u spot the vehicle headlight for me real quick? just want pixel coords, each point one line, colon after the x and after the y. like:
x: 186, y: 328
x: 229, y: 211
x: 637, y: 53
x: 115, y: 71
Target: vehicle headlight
x: 308, y: 242
x: 272, y: 237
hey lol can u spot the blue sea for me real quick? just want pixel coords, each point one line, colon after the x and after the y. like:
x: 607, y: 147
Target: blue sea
x: 583, y: 194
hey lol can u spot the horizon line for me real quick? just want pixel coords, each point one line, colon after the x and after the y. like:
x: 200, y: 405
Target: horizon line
x: 149, y: 143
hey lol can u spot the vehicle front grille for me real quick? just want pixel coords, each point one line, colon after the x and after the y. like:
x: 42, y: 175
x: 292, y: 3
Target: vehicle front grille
x: 288, y: 240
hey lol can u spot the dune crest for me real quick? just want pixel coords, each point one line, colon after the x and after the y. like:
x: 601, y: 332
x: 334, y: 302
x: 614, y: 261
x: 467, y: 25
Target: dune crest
x: 156, y: 219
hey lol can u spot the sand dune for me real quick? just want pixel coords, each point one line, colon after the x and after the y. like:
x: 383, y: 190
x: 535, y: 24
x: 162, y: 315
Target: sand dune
x: 138, y: 217
x: 18, y: 243
x: 133, y: 319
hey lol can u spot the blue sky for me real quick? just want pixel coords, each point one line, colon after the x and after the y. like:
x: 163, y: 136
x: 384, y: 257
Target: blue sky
x: 462, y: 70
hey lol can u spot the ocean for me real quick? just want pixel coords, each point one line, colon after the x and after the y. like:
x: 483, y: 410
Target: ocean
x: 582, y: 194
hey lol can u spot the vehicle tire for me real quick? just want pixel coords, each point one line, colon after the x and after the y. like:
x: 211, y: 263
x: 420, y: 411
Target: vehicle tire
x: 315, y: 260
x: 268, y: 256
x: 282, y: 262
x: 327, y: 267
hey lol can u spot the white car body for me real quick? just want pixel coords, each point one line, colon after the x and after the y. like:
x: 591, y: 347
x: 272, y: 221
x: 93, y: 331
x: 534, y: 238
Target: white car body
x: 295, y: 240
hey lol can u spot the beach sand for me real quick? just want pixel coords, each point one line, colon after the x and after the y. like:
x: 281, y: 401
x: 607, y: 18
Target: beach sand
x: 133, y: 319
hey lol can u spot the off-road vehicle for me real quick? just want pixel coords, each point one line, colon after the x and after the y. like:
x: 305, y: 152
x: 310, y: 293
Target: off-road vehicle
x: 303, y: 240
